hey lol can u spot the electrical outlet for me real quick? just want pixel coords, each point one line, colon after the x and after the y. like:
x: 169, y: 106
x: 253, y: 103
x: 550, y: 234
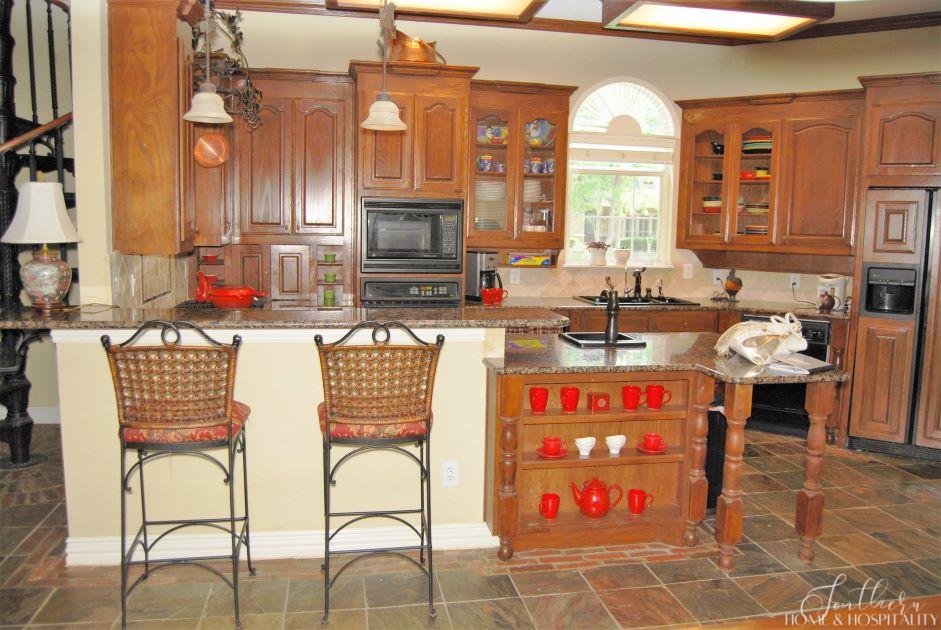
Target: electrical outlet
x: 795, y: 280
x: 450, y: 473
x: 514, y: 276
x: 718, y: 277
x: 687, y: 271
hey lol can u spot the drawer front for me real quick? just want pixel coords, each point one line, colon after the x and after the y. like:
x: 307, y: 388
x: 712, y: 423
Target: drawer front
x: 684, y: 321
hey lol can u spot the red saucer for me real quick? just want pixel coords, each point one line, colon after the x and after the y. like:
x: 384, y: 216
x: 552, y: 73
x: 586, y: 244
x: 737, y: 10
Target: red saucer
x: 560, y: 454
x: 659, y: 451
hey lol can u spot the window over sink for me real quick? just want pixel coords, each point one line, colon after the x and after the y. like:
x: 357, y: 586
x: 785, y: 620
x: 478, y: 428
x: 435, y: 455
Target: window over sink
x: 622, y: 153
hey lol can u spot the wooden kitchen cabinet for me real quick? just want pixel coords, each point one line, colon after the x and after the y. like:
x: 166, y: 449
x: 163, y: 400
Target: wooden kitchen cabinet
x: 248, y: 265
x: 290, y: 272
x: 265, y: 158
x: 151, y: 145
x: 882, y: 379
x: 517, y: 168
x: 427, y: 158
x: 683, y: 321
x: 819, y: 184
x: 894, y: 226
x: 213, y: 194
x: 785, y: 181
x: 322, y: 146
x: 596, y: 320
x: 903, y: 125
x: 928, y: 418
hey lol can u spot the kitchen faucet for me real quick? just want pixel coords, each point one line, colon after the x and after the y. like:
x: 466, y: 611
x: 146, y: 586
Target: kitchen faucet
x: 637, y: 282
x: 614, y: 305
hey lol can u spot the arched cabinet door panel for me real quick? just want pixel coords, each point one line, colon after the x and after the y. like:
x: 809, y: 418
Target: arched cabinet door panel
x: 265, y: 168
x: 386, y: 156
x: 439, y: 143
x: 904, y: 140
x: 322, y: 149
x: 819, y: 186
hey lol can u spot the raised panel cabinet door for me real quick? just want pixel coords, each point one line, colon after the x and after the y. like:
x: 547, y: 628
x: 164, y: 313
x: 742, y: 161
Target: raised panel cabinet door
x: 818, y: 196
x: 248, y: 266
x: 212, y: 194
x: 684, y: 321
x: 266, y: 170
x: 290, y: 272
x: 894, y: 226
x: 439, y: 143
x: 904, y: 140
x: 928, y: 421
x: 882, y: 379
x: 386, y: 156
x: 322, y: 144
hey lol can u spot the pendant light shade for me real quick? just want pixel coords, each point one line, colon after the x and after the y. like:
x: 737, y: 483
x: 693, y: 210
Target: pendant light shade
x: 207, y: 107
x: 383, y: 115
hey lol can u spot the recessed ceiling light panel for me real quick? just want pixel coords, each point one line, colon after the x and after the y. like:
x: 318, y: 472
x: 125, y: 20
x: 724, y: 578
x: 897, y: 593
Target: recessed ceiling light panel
x: 731, y: 18
x: 518, y: 10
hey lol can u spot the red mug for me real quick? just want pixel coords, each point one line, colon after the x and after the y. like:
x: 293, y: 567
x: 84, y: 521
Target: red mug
x: 549, y: 506
x: 654, y: 442
x: 552, y: 445
x: 657, y: 396
x: 569, y: 396
x: 638, y: 500
x: 538, y: 399
x: 493, y: 296
x: 631, y: 396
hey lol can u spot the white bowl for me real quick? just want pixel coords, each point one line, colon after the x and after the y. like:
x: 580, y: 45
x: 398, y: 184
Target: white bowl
x: 616, y: 439
x: 585, y: 442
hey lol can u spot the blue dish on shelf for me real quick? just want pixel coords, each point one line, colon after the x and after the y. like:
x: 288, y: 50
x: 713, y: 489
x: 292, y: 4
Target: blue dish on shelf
x: 540, y: 133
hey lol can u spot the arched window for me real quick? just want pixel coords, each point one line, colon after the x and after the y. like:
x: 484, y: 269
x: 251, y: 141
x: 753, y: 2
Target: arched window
x: 622, y: 151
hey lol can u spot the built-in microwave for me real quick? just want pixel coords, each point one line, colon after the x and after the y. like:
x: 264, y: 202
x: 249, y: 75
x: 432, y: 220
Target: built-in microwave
x: 411, y: 235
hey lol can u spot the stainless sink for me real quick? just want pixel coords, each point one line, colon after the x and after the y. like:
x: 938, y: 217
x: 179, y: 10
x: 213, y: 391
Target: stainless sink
x: 602, y: 300
x: 596, y: 340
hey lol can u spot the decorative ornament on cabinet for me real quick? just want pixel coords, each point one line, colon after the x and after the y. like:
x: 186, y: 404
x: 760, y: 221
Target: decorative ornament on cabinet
x: 384, y: 113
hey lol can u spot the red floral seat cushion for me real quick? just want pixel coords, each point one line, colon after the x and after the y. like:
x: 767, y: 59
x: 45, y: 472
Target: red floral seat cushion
x: 211, y: 433
x: 369, y: 431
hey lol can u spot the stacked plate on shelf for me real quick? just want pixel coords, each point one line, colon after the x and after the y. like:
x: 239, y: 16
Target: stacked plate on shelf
x: 532, y: 190
x: 757, y: 144
x: 756, y: 208
x: 490, y: 205
x: 756, y: 230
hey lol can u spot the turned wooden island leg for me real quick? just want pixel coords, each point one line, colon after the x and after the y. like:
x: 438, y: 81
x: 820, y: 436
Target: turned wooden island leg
x: 508, y: 497
x: 729, y: 507
x: 809, y: 518
x: 698, y: 484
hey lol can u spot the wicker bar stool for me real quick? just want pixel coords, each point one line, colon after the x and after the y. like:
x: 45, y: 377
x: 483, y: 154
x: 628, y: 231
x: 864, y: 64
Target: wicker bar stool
x: 378, y: 397
x: 176, y: 400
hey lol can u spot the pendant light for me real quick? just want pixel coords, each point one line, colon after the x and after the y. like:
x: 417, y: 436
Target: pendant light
x: 207, y: 106
x: 384, y: 113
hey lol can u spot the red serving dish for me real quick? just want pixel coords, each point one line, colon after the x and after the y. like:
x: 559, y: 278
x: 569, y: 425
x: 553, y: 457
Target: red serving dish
x: 224, y: 297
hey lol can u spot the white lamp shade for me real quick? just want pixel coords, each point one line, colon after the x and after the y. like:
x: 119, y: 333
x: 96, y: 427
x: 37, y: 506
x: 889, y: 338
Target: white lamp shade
x: 41, y: 216
x: 207, y: 107
x: 383, y: 115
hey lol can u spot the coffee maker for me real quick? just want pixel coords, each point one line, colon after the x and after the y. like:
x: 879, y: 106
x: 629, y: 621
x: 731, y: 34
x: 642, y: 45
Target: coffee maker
x: 481, y: 269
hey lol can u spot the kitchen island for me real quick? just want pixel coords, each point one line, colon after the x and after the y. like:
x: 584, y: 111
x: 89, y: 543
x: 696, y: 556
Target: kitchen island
x: 684, y: 363
x: 278, y: 377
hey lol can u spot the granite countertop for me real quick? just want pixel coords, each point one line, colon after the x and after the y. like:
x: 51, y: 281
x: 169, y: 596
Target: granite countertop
x: 665, y: 352
x: 514, y: 319
x: 755, y: 307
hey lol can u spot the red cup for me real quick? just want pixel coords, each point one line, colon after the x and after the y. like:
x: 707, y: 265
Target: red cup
x: 638, y: 500
x: 631, y: 396
x: 569, y: 396
x: 657, y: 396
x: 552, y: 445
x: 493, y: 296
x: 654, y: 442
x: 538, y: 399
x: 549, y: 506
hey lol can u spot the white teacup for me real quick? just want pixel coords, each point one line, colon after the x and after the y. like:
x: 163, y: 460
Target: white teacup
x: 615, y: 443
x: 584, y: 445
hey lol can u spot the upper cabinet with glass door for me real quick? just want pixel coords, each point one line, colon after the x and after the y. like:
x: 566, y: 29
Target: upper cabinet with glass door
x: 704, y: 196
x: 516, y: 197
x: 753, y: 189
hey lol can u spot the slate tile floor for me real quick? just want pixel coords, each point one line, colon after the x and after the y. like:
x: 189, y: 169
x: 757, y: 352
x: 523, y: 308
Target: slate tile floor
x: 883, y: 521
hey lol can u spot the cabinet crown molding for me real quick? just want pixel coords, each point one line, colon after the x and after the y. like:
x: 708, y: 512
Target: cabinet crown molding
x: 412, y: 68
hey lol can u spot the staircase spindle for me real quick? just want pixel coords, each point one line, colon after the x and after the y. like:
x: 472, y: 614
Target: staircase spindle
x: 53, y: 84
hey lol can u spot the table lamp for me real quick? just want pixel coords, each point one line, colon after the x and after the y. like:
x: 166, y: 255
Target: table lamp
x: 41, y: 218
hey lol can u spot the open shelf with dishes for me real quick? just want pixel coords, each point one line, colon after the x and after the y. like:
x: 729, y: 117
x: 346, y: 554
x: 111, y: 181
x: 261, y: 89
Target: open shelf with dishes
x: 519, y: 435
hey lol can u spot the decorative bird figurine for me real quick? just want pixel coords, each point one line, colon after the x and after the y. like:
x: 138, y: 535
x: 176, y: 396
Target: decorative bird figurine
x: 733, y: 284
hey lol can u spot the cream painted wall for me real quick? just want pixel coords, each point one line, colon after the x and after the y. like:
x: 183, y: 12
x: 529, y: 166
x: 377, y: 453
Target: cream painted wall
x: 285, y: 476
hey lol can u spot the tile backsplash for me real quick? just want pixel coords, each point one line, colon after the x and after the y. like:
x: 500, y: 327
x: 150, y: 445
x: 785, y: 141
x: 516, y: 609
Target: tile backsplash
x: 151, y: 281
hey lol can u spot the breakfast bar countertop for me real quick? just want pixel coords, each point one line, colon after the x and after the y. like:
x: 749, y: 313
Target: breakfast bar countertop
x: 518, y: 319
x: 664, y: 352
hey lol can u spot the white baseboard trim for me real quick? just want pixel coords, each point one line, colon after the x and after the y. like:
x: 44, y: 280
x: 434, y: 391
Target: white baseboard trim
x: 41, y: 415
x: 105, y: 550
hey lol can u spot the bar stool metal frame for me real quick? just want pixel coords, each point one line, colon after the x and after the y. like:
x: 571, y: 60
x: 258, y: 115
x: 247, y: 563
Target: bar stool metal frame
x: 232, y: 438
x: 331, y: 411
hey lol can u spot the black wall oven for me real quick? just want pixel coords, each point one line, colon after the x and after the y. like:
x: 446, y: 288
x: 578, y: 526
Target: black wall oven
x: 412, y: 236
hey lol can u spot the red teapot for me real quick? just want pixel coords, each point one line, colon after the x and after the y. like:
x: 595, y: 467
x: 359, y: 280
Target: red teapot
x: 224, y: 297
x: 594, y: 499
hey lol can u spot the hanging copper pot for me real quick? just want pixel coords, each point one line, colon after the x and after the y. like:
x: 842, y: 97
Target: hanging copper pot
x: 211, y: 150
